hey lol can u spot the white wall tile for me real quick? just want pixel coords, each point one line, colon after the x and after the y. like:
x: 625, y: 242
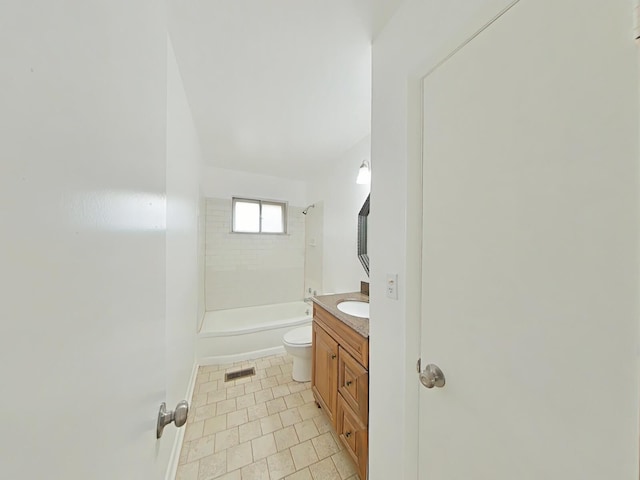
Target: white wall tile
x: 251, y: 269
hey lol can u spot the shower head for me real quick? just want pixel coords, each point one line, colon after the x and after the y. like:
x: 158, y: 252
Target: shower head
x: 304, y: 212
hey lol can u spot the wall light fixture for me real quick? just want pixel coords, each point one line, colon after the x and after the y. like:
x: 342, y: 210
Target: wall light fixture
x: 364, y: 174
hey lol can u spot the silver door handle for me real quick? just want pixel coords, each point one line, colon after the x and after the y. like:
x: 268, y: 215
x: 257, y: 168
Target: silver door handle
x: 432, y: 376
x: 178, y: 416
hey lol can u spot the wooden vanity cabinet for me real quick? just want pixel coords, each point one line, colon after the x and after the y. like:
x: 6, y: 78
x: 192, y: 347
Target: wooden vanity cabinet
x: 324, y: 371
x: 340, y: 382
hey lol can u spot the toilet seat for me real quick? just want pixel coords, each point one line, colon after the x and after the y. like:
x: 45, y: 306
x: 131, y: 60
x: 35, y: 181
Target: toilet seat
x: 298, y: 336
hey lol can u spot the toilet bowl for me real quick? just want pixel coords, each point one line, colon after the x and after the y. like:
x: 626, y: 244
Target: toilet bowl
x: 297, y: 343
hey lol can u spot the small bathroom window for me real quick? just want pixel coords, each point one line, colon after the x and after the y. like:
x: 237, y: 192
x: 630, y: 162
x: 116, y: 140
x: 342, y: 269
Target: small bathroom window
x: 258, y: 216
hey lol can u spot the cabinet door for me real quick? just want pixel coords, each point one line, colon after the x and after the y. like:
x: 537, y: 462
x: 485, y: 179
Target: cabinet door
x: 353, y: 384
x: 353, y: 434
x: 324, y: 374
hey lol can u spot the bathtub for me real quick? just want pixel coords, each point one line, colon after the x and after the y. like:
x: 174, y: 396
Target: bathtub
x: 241, y: 333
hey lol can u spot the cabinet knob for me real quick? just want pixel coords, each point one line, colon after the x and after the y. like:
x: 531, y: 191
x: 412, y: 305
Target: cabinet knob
x: 349, y: 382
x: 333, y: 356
x: 347, y: 434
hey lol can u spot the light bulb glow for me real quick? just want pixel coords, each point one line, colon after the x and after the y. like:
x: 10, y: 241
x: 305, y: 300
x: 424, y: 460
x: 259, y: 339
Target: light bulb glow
x: 364, y: 174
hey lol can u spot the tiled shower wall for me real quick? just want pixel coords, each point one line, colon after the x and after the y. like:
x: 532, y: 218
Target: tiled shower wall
x: 244, y: 269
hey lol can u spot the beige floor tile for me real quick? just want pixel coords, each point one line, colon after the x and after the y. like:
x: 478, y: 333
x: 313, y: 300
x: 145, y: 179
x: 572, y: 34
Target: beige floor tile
x: 324, y: 470
x: 217, y: 395
x: 237, y: 391
x: 277, y: 360
x: 249, y: 431
x: 235, y: 475
x: 245, y: 401
x: 336, y: 438
x: 268, y: 382
x: 215, y: 425
x: 322, y: 423
x: 258, y: 411
x: 208, y: 369
x: 237, y: 418
x: 271, y: 423
x: 252, y: 387
x: 204, y: 412
x: 280, y: 465
x: 188, y: 471
x: 227, y: 439
x: 263, y: 426
x: 309, y: 410
x: 303, y: 454
x: 276, y: 405
x: 273, y: 371
x: 289, y: 417
x: 307, y: 395
x: 325, y: 445
x: 199, y: 400
x: 239, y: 456
x: 263, y: 364
x: 200, y: 448
x: 263, y: 446
x: 208, y: 387
x: 213, y: 466
x: 286, y: 438
x: 299, y: 386
x: 345, y: 466
x: 294, y: 400
x: 226, y: 406
x: 256, y: 471
x: 284, y: 379
x: 184, y: 453
x: 306, y: 430
x: 265, y: 395
x: 280, y: 391
x: 301, y: 475
x: 194, y: 432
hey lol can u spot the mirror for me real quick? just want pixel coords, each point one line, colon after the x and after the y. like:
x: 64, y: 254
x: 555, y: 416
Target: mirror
x: 363, y: 256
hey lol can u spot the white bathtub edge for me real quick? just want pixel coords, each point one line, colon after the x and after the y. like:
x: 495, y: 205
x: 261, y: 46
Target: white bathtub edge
x: 174, y: 458
x: 289, y: 322
x: 238, y: 357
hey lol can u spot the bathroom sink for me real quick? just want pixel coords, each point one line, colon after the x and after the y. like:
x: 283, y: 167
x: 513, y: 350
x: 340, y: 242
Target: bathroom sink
x: 355, y: 308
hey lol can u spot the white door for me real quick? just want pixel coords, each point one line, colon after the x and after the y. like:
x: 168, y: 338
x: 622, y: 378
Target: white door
x: 530, y: 249
x: 82, y: 240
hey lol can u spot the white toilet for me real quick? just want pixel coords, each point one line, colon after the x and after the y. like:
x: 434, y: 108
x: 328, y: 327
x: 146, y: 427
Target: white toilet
x: 297, y: 343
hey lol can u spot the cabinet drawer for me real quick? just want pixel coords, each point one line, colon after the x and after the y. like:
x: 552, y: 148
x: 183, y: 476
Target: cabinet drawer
x: 353, y: 342
x: 354, y: 435
x: 353, y: 384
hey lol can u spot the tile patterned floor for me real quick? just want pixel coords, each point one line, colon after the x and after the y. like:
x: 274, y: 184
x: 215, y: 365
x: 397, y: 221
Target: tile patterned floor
x: 264, y: 427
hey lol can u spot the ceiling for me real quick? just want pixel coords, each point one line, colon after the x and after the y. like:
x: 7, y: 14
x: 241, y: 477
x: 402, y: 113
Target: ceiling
x: 278, y: 87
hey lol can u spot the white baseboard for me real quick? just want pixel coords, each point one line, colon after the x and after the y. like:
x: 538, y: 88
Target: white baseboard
x: 174, y: 459
x: 222, y: 359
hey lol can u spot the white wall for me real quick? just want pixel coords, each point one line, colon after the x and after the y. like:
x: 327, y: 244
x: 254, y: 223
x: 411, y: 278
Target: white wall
x: 224, y: 183
x: 417, y: 37
x: 245, y: 269
x: 82, y: 195
x: 184, y: 281
x: 342, y: 200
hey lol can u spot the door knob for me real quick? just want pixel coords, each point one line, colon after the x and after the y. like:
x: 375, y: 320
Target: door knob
x: 432, y: 376
x: 178, y: 416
